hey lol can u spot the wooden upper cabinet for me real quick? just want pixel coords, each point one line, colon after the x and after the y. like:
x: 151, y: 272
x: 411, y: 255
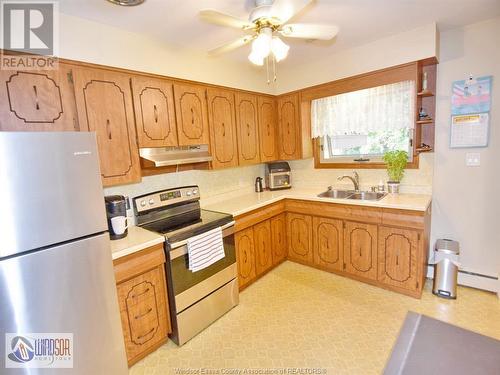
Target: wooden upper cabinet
x: 267, y: 128
x: 191, y: 113
x: 328, y: 243
x: 37, y: 100
x: 104, y: 102
x: 222, y: 120
x: 360, y: 249
x: 263, y: 246
x: 299, y: 229
x: 278, y: 235
x: 245, y: 254
x: 154, y: 112
x: 248, y: 131
x: 397, y: 257
x: 289, y: 127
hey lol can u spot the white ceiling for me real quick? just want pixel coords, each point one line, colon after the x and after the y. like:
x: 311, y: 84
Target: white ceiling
x: 176, y: 22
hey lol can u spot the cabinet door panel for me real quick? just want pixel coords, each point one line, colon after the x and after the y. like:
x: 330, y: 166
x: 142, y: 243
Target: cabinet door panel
x: 245, y: 256
x: 397, y: 255
x: 221, y: 115
x: 267, y: 129
x: 37, y: 100
x: 328, y: 243
x: 360, y: 249
x: 289, y: 122
x: 278, y: 234
x: 154, y: 112
x: 104, y: 103
x: 248, y: 135
x: 299, y: 230
x: 191, y: 113
x: 263, y: 246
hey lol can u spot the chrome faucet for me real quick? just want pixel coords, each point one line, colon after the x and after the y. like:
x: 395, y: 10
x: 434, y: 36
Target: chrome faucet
x: 355, y: 179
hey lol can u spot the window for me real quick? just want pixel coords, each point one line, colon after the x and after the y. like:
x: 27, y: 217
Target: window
x: 360, y: 126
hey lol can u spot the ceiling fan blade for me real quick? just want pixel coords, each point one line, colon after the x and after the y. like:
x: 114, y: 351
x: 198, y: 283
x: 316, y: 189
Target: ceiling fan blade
x: 218, y: 18
x: 284, y: 10
x: 232, y: 45
x: 309, y: 31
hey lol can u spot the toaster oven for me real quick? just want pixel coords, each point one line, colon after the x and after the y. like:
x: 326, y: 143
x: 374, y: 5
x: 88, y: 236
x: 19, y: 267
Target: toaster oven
x: 278, y: 175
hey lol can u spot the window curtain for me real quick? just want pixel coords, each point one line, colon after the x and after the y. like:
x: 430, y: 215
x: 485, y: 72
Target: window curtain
x: 388, y: 107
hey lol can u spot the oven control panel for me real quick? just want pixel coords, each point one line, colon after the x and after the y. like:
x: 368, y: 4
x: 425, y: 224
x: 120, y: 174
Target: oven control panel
x: 165, y: 198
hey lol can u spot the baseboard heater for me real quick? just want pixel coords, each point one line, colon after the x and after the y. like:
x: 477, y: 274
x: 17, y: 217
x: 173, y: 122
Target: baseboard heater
x: 472, y: 279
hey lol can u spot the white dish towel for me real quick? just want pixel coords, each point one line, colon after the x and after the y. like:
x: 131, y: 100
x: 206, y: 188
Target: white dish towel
x: 205, y: 249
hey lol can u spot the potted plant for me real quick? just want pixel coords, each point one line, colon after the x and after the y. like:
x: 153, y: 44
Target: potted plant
x: 396, y: 163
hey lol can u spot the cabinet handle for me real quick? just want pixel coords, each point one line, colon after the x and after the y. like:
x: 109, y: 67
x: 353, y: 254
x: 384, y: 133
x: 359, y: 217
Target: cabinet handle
x: 140, y: 294
x: 108, y: 129
x: 397, y: 260
x: 223, y: 130
x: 37, y: 106
x: 327, y: 244
x: 147, y: 333
x: 248, y: 130
x: 288, y: 127
x: 268, y: 130
x: 192, y: 116
x: 246, y: 257
x: 144, y: 314
x: 360, y: 252
x: 156, y: 113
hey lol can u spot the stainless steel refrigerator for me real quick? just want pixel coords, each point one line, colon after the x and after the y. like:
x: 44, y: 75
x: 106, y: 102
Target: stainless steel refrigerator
x: 58, y: 305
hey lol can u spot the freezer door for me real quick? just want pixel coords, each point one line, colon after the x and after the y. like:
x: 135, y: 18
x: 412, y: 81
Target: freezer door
x: 68, y: 289
x: 51, y: 190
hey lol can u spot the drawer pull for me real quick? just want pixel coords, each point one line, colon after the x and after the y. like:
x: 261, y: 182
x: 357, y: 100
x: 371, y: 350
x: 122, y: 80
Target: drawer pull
x: 140, y: 294
x: 144, y: 314
x: 37, y: 105
x: 155, y: 113
x: 146, y: 334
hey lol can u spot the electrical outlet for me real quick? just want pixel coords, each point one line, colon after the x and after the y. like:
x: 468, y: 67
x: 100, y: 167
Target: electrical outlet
x: 473, y: 159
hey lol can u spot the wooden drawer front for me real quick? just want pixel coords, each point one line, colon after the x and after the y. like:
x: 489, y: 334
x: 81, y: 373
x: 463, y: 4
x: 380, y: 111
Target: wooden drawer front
x: 397, y: 257
x: 328, y: 243
x: 278, y: 235
x: 360, y: 249
x: 245, y: 256
x: 263, y: 247
x: 138, y: 263
x: 299, y: 229
x: 253, y: 217
x: 143, y: 310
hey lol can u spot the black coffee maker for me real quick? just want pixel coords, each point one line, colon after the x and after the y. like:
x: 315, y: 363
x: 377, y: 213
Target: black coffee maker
x: 116, y: 211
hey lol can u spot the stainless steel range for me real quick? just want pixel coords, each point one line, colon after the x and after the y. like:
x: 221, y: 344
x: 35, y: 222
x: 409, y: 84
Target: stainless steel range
x: 199, y: 298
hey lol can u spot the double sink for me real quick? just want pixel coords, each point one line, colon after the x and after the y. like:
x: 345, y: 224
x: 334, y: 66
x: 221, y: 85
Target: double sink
x: 352, y: 194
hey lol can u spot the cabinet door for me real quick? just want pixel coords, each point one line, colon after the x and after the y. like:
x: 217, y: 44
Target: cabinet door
x: 245, y: 256
x: 328, y: 243
x: 360, y: 249
x: 154, y: 112
x: 144, y: 313
x: 37, y: 100
x: 278, y: 235
x: 397, y: 257
x: 263, y: 247
x: 248, y: 134
x: 221, y: 117
x: 299, y: 230
x: 104, y: 103
x: 191, y: 113
x: 289, y: 131
x: 267, y: 128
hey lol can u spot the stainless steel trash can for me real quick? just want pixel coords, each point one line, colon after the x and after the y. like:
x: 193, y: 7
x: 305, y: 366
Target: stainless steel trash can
x: 446, y: 265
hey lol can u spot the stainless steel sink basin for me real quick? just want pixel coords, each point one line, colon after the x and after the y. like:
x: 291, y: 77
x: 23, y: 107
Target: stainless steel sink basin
x: 351, y: 194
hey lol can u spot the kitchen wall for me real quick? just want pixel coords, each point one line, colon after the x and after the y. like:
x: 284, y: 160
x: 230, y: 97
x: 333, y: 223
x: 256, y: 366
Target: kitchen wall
x: 89, y: 41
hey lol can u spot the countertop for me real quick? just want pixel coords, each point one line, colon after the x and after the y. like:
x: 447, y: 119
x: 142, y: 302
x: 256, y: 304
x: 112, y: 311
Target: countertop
x: 136, y: 240
x: 240, y: 203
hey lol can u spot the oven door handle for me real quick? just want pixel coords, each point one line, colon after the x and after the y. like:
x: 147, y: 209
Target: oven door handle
x: 179, y: 249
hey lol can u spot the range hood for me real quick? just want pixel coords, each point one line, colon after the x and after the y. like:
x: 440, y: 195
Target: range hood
x: 166, y: 156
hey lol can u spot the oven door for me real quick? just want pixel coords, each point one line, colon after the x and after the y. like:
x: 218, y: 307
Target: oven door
x: 187, y: 287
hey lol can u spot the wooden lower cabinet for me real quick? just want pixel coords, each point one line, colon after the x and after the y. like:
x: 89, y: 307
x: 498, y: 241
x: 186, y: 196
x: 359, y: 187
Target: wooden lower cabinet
x: 245, y: 256
x: 263, y: 247
x: 328, y: 243
x: 299, y: 230
x: 278, y: 237
x: 398, y: 258
x: 360, y: 249
x: 142, y: 298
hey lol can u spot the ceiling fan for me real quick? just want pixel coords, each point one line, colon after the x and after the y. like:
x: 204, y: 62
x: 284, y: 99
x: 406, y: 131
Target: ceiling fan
x: 267, y: 21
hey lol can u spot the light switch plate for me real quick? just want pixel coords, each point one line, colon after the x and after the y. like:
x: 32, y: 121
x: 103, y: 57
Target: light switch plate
x: 473, y: 159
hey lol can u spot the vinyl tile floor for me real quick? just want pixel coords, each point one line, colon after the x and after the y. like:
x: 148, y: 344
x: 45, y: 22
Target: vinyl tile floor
x: 297, y: 320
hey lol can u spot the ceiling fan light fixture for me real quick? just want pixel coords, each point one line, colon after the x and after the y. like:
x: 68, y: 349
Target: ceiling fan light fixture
x: 262, y: 44
x: 279, y: 48
x: 256, y: 59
